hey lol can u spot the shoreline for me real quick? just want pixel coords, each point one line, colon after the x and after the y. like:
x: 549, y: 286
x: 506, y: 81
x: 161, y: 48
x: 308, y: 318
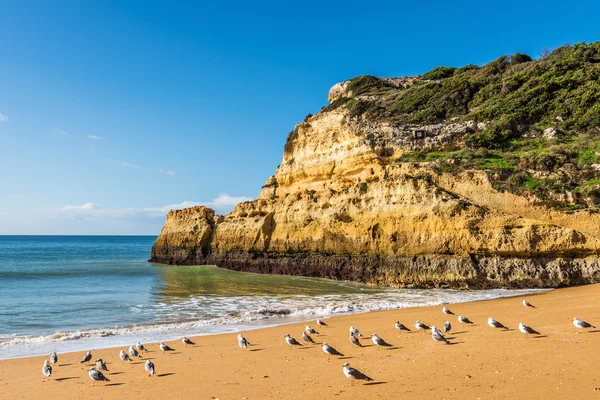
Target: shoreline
x: 106, y: 338
x: 482, y: 362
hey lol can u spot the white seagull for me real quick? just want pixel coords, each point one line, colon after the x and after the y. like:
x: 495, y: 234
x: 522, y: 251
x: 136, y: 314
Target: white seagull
x: 330, y: 351
x: 133, y: 352
x: 291, y: 341
x: 527, y: 330
x: 47, y: 369
x: 96, y: 375
x: 149, y: 367
x: 140, y: 346
x: 495, y: 324
x: 86, y: 358
x: 187, y: 341
x: 310, y: 330
x: 101, y: 365
x: 447, y: 327
x: 306, y: 338
x: 354, y: 374
x: 354, y: 331
x: 527, y: 304
x: 421, y: 326
x: 582, y: 324
x: 321, y: 323
x: 53, y: 358
x: 464, y: 320
x: 243, y: 342
x: 354, y: 340
x: 124, y: 356
x: 446, y: 311
x: 438, y: 336
x: 400, y: 327
x: 165, y: 347
x: 379, y: 341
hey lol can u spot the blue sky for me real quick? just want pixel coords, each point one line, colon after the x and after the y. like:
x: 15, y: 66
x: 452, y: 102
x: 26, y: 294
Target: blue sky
x: 113, y: 112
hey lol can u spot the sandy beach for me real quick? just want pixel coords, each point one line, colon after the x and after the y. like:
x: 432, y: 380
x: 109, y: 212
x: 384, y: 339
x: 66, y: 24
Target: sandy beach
x: 481, y: 363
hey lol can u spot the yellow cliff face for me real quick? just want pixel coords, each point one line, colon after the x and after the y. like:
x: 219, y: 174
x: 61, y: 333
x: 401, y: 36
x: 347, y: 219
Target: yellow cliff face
x: 340, y: 206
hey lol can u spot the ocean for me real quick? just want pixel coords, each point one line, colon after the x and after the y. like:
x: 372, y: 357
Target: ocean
x: 74, y: 293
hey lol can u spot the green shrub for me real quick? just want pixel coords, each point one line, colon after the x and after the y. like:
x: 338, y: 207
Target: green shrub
x: 439, y: 73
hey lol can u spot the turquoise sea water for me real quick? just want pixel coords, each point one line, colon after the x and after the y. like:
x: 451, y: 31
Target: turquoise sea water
x: 66, y: 293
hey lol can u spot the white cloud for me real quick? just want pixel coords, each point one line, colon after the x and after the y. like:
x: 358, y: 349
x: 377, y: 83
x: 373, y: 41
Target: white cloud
x: 168, y: 172
x: 86, y: 206
x: 3, y: 118
x: 129, y: 165
x: 94, y: 137
x: 61, y: 132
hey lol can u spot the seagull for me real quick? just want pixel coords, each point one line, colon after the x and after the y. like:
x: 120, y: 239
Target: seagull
x: 354, y: 340
x: 330, y: 351
x: 447, y: 327
x: 124, y: 356
x: 527, y: 329
x: 96, y: 375
x: 133, y: 352
x: 446, y: 311
x: 306, y: 337
x: 438, y: 336
x: 242, y: 342
x: 53, y: 358
x: 495, y: 324
x: 101, y: 365
x: 421, y: 326
x: 164, y: 347
x: 582, y: 324
x: 321, y: 323
x: 150, y: 367
x: 354, y: 331
x: 379, y: 341
x: 291, y: 341
x: 310, y: 330
x: 527, y: 304
x: 400, y: 327
x: 140, y: 346
x: 354, y: 374
x: 187, y: 341
x: 47, y: 369
x: 464, y: 320
x: 87, y: 357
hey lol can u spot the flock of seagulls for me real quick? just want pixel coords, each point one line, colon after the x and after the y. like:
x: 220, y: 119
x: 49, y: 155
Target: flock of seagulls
x: 95, y: 373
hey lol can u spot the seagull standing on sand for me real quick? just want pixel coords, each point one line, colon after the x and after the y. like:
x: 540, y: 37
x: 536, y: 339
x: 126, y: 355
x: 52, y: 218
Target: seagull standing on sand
x: 165, y: 347
x: 527, y: 330
x: 47, y: 369
x: 464, y: 320
x: 438, y: 336
x: 140, y: 346
x: 101, y: 365
x: 310, y: 330
x: 133, y: 352
x: 447, y: 327
x: 354, y: 340
x: 582, y: 324
x: 354, y: 374
x: 495, y: 324
x: 53, y: 358
x: 96, y: 375
x: 446, y: 311
x: 527, y: 304
x: 291, y: 341
x: 379, y: 341
x: 187, y: 341
x: 124, y: 356
x: 421, y: 326
x: 242, y: 342
x: 87, y: 357
x: 330, y: 351
x: 400, y: 327
x: 321, y: 323
x: 306, y: 338
x: 354, y: 331
x: 149, y: 367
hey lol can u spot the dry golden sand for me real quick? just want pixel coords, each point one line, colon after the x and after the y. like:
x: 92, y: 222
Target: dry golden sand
x: 483, y: 363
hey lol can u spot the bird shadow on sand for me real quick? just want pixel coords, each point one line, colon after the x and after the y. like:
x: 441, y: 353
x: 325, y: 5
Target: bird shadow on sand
x: 115, y: 373
x: 66, y: 378
x: 115, y: 384
x: 256, y: 350
x: 64, y: 365
x: 454, y: 343
x: 393, y: 348
x: 374, y: 383
x: 368, y: 345
x: 459, y: 333
x: 175, y: 352
x: 595, y: 331
x: 540, y: 336
x: 167, y: 374
x: 139, y: 362
x: 345, y: 358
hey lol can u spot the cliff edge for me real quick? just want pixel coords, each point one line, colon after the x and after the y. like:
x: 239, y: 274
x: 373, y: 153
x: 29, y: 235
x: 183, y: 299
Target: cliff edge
x: 448, y: 179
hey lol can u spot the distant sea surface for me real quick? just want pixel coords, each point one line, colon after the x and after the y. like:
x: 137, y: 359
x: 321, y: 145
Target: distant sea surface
x: 73, y: 293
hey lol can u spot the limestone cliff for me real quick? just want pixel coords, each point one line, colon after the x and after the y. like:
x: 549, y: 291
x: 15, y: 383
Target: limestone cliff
x: 345, y: 203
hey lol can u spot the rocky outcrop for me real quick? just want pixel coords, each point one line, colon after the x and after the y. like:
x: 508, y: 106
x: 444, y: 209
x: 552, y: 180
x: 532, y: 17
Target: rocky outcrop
x: 342, y: 205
